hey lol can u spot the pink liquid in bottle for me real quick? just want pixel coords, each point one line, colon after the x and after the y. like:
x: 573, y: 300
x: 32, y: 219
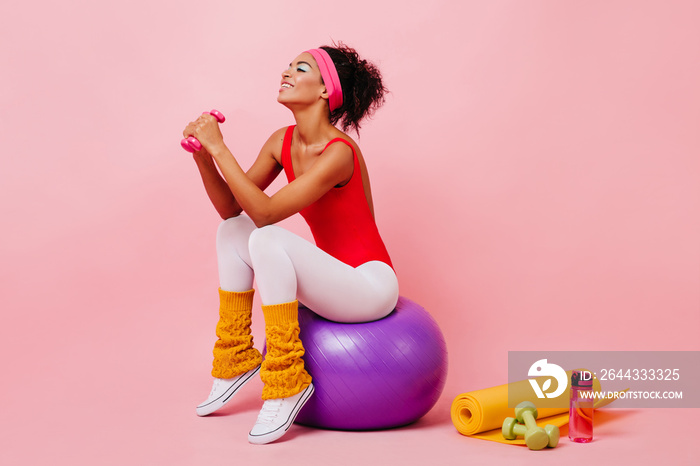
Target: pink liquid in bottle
x: 581, y: 407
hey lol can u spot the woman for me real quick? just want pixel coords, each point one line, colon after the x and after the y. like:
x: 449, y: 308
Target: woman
x: 346, y: 276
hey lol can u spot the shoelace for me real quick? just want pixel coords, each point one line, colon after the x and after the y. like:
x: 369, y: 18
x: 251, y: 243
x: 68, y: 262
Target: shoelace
x: 214, y: 387
x: 269, y: 411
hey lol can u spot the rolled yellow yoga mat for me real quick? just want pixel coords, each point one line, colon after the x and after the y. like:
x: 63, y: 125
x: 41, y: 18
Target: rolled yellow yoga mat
x: 481, y: 413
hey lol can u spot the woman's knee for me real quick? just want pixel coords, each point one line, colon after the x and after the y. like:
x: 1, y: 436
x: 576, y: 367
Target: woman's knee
x: 232, y: 238
x: 234, y: 227
x: 263, y: 238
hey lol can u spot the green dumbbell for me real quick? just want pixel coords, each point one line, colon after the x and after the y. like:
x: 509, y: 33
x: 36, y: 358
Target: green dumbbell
x: 536, y: 438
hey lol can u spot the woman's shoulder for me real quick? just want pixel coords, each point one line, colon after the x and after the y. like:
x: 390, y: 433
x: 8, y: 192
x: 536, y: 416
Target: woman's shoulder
x: 275, y: 142
x: 278, y: 136
x: 350, y: 142
x: 338, y: 134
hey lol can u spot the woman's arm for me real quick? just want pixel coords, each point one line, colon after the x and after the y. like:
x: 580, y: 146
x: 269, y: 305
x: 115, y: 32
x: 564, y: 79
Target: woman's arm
x: 217, y: 190
x: 263, y: 171
x: 332, y: 168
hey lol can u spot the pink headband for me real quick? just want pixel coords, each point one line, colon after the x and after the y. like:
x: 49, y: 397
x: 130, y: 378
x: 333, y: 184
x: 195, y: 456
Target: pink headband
x: 330, y: 77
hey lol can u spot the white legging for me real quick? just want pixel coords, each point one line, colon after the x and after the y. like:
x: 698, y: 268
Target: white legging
x: 286, y: 267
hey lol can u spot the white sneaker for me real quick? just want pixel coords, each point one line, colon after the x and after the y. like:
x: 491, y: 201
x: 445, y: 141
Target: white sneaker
x: 276, y: 416
x: 223, y: 390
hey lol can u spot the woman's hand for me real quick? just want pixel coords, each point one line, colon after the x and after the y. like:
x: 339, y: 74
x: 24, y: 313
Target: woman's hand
x: 206, y: 130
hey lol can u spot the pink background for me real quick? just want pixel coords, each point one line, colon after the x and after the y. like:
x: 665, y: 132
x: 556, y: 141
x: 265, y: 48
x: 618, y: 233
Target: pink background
x: 536, y: 176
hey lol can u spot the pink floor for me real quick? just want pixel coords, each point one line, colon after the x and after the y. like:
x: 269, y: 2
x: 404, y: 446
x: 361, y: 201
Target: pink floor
x: 117, y: 427
x: 123, y: 393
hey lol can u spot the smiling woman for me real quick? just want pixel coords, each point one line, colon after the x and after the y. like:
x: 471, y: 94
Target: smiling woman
x: 346, y: 276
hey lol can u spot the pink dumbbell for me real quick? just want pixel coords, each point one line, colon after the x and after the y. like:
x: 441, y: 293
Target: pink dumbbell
x: 191, y: 144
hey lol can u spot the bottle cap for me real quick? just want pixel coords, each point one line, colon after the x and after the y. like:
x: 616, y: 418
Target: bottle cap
x: 581, y: 379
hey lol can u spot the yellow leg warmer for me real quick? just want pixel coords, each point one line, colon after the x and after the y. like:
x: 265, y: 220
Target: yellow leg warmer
x: 234, y: 353
x: 283, y: 370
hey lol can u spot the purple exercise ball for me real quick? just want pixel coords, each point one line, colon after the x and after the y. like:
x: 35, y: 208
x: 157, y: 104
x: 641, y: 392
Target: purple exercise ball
x: 372, y: 375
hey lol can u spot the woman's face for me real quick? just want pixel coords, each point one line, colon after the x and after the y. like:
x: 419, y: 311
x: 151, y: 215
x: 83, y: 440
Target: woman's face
x: 301, y: 82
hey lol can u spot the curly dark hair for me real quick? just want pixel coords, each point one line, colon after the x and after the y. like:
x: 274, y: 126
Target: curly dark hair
x: 363, y: 90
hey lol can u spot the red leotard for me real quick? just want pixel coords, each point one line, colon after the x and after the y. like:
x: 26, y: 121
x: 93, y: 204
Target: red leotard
x: 341, y: 221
